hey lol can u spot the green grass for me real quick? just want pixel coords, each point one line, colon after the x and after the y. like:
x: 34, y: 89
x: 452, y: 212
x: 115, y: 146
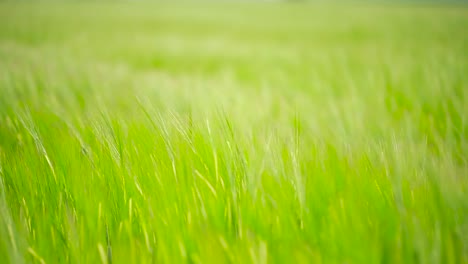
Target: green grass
x: 235, y: 133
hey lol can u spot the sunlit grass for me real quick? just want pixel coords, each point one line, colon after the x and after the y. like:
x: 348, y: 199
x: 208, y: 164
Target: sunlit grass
x: 233, y: 133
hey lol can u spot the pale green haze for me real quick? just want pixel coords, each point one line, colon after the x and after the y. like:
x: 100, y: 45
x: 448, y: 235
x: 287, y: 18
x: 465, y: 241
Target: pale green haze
x: 138, y: 132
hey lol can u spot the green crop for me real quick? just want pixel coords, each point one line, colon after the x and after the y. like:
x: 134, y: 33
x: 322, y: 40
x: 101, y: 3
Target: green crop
x: 135, y: 132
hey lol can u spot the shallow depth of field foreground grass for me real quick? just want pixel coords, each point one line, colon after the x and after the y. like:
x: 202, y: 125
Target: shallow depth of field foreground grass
x: 236, y: 133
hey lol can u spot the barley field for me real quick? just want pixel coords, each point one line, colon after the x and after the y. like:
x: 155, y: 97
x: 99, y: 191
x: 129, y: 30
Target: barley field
x: 143, y: 132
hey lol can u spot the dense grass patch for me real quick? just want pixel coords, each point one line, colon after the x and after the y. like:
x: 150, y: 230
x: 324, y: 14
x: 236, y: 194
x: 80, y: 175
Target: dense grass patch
x: 233, y: 133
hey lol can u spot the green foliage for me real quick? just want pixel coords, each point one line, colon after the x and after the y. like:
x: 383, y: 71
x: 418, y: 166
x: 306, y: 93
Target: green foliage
x: 238, y: 133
